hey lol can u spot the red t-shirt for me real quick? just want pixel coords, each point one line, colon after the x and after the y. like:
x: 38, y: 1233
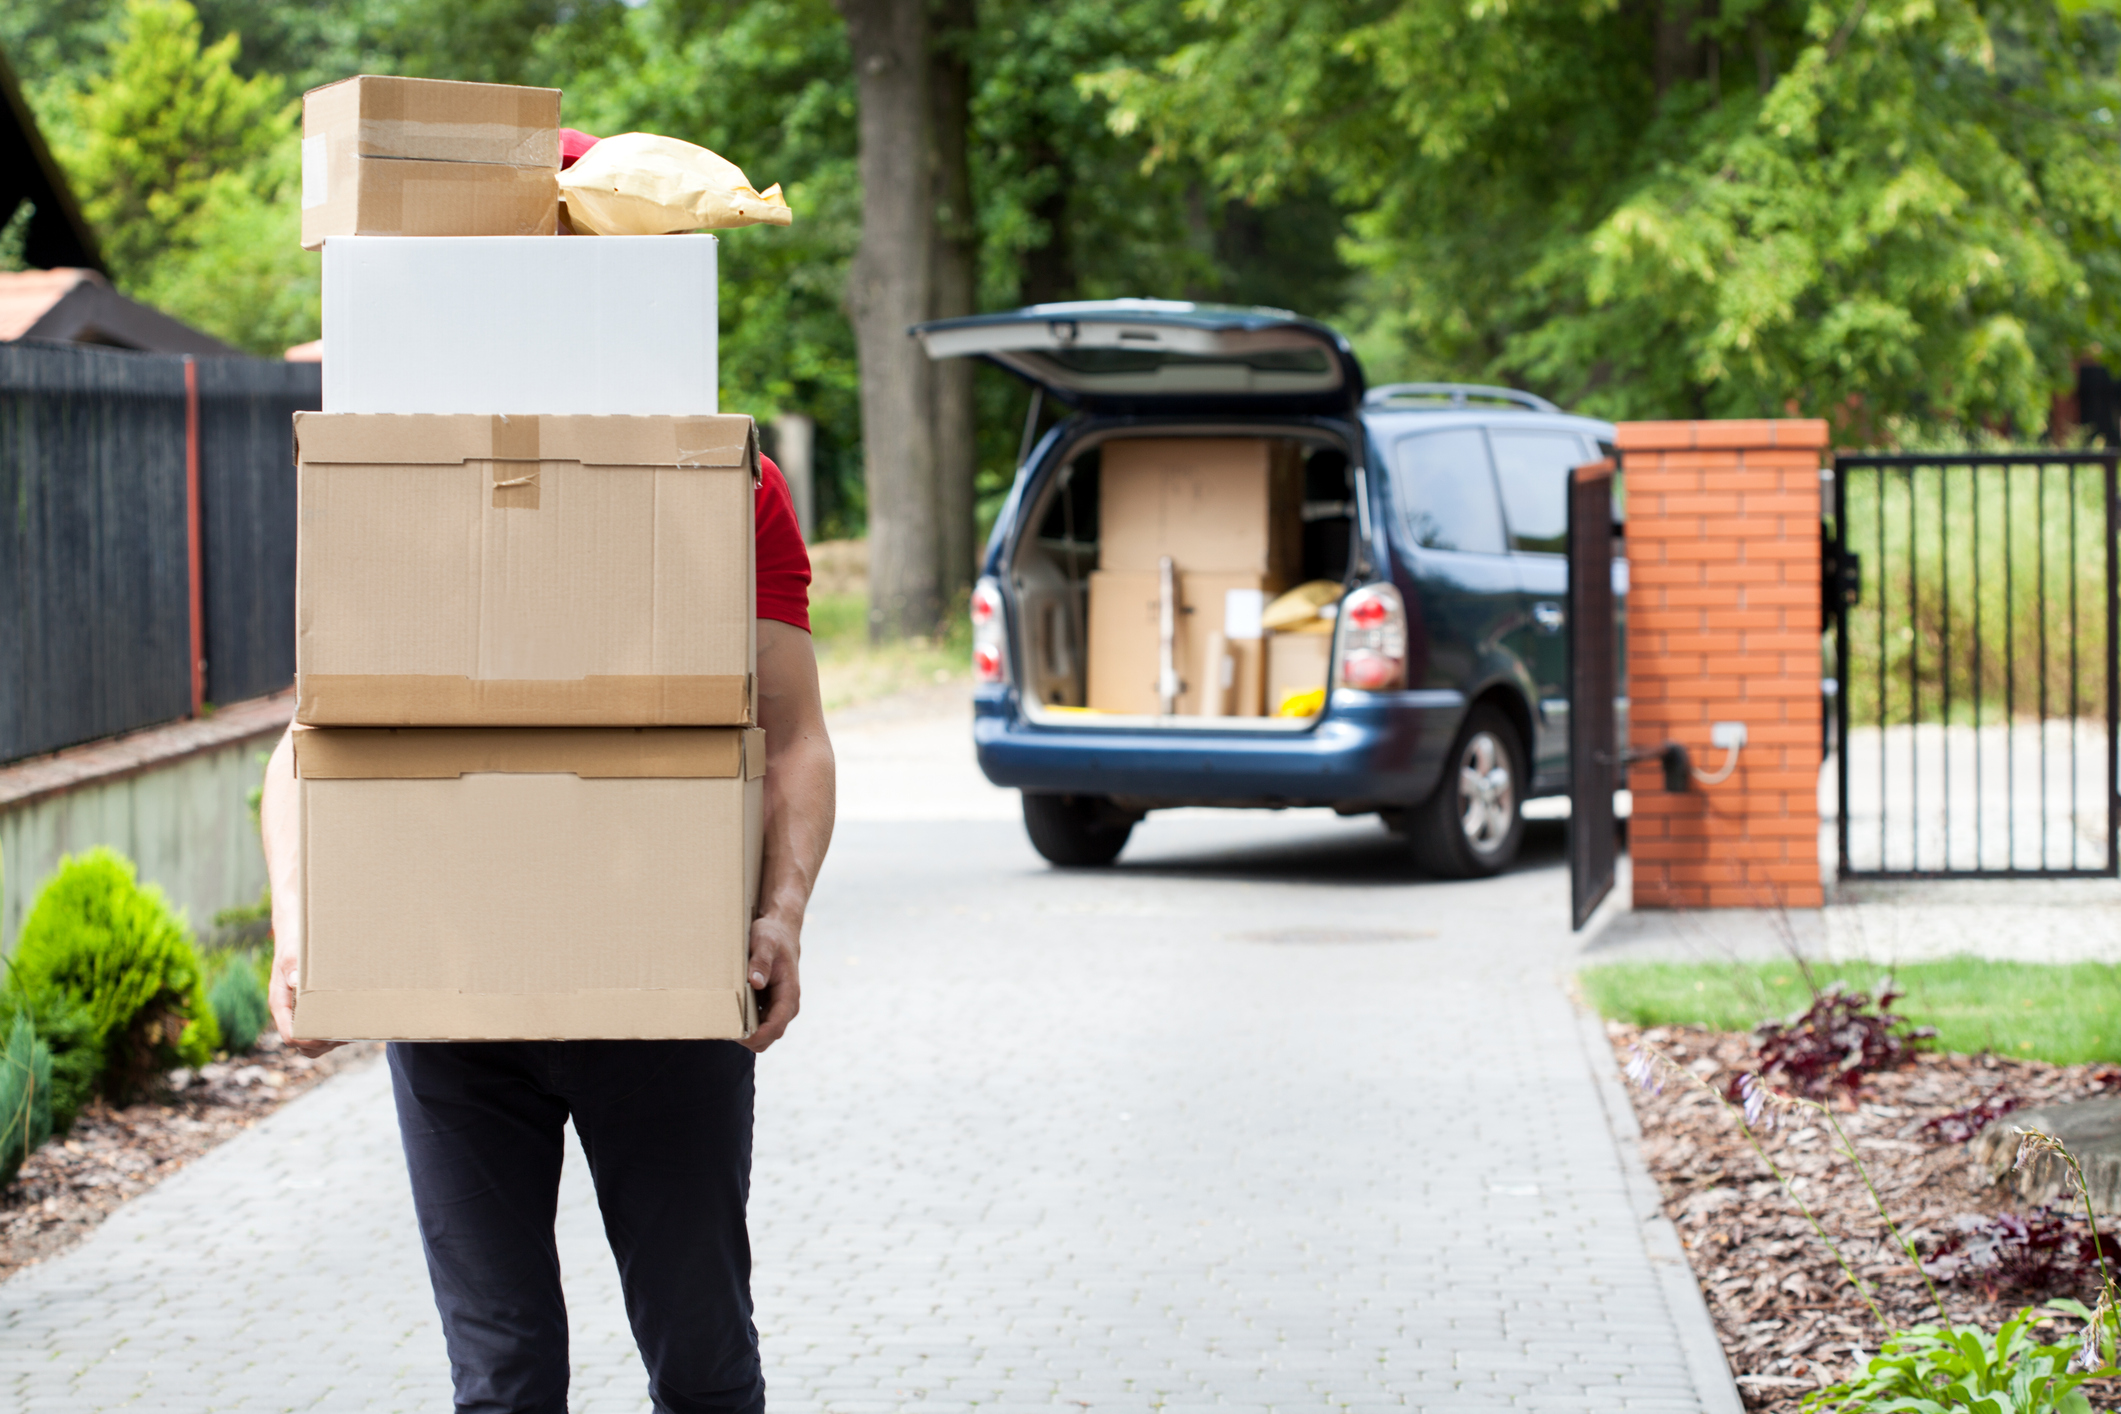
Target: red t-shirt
x: 783, y: 563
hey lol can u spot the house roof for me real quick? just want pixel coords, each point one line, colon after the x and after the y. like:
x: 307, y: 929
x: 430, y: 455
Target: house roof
x: 58, y: 235
x: 80, y: 307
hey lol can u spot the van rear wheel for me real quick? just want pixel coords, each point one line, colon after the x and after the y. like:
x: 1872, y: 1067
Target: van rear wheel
x: 1076, y: 831
x: 1471, y: 825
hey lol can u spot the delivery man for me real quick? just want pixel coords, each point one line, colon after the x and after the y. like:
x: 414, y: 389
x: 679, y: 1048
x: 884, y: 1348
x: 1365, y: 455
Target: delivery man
x: 666, y: 1125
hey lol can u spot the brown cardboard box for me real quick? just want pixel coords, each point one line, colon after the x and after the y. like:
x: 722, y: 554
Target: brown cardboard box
x: 1296, y: 662
x: 429, y: 157
x: 568, y: 884
x: 524, y: 571
x: 1225, y: 505
x: 1125, y: 638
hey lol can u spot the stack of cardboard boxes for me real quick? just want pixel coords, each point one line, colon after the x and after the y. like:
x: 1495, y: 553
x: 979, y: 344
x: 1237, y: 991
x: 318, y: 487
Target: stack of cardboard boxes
x: 1195, y: 535
x: 530, y: 781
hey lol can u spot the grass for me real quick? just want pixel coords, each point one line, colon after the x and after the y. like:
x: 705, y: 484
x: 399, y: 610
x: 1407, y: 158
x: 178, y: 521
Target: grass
x: 852, y: 670
x: 2062, y: 1013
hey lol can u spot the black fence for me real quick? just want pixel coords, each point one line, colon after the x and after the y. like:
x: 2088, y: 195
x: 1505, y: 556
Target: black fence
x: 96, y: 570
x: 1974, y: 607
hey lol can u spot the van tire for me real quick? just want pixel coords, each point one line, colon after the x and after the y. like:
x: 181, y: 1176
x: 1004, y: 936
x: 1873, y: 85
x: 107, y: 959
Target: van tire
x: 1453, y: 833
x: 1076, y: 831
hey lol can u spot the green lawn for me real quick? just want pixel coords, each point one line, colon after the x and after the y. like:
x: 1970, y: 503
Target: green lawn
x: 851, y: 670
x: 2063, y: 1013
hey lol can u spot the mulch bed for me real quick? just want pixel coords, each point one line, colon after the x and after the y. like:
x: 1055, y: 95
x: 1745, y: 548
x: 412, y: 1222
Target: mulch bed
x: 1788, y: 1319
x: 111, y: 1155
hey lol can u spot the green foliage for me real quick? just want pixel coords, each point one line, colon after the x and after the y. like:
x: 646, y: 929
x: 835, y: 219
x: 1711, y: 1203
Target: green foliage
x: 1932, y: 1370
x: 189, y: 173
x: 235, y: 990
x: 2062, y: 1013
x: 1852, y: 210
x: 98, y: 942
x: 25, y: 1097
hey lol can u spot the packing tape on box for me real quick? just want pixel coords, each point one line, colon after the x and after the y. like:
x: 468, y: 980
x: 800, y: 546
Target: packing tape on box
x: 442, y: 700
x: 620, y: 1015
x: 445, y: 753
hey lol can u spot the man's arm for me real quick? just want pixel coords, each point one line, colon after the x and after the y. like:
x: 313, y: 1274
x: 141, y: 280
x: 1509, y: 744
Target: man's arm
x: 799, y: 812
x: 279, y: 817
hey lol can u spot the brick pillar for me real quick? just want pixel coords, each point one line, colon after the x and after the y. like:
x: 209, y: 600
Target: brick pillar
x: 1723, y: 626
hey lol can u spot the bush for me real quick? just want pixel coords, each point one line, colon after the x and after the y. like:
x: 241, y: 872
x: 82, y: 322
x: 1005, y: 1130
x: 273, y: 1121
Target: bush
x: 236, y: 992
x: 109, y: 960
x: 25, y: 1097
x: 1931, y: 1370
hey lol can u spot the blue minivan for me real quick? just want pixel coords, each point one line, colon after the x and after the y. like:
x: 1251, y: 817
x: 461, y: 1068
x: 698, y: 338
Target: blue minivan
x: 1440, y: 510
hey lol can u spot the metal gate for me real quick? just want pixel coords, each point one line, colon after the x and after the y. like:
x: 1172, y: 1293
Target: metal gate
x: 1972, y: 602
x: 1594, y: 652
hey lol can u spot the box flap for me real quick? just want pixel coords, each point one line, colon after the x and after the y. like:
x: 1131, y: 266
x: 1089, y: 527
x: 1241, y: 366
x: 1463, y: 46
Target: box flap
x: 447, y: 439
x: 444, y: 753
x: 439, y: 120
x: 754, y: 754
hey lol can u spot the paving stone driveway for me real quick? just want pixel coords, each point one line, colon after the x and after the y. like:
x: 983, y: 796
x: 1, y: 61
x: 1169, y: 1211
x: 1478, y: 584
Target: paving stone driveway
x: 1258, y: 1120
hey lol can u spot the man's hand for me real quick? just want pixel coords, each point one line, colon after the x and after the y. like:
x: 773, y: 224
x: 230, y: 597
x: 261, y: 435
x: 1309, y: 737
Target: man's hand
x: 776, y: 956
x: 278, y: 812
x: 799, y: 809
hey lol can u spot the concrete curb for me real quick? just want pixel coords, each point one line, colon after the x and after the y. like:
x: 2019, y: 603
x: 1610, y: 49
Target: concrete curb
x: 1682, y: 1293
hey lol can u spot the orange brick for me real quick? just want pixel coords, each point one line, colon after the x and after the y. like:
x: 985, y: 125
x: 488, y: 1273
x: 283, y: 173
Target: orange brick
x: 1701, y: 549
x: 1646, y: 475
x: 1742, y: 664
x: 1780, y: 549
x: 1742, y: 618
x: 1642, y: 576
x: 1743, y: 572
x: 1801, y: 432
x: 1682, y: 689
x: 1652, y: 436
x: 1702, y: 503
x: 1794, y: 460
x: 1779, y: 502
x: 1770, y: 687
x: 1735, y: 432
x: 1660, y: 528
x: 1783, y: 641
x: 1795, y: 593
x: 1715, y: 463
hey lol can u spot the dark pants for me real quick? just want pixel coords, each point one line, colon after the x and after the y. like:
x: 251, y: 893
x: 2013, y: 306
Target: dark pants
x: 666, y: 1126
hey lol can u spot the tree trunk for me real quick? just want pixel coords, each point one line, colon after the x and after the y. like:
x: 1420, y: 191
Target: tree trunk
x: 955, y: 288
x: 1049, y: 267
x: 888, y: 290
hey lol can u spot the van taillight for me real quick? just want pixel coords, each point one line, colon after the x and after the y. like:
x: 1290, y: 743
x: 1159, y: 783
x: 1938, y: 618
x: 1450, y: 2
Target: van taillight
x: 1373, y: 639
x: 989, y: 655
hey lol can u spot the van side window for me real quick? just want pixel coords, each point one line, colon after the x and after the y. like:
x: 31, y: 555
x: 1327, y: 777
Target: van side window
x: 1533, y: 471
x: 1447, y: 492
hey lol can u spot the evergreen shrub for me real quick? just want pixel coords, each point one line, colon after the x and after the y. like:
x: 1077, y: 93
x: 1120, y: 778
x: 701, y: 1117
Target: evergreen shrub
x: 108, y: 960
x: 236, y: 992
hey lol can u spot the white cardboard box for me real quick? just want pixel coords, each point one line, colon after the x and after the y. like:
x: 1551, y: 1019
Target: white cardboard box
x: 520, y: 324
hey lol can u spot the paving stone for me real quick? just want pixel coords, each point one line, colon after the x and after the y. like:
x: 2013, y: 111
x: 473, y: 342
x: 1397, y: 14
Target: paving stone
x: 1105, y: 1150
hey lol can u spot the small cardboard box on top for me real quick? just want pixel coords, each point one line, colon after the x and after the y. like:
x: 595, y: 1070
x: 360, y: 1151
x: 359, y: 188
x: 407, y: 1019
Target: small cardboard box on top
x: 1221, y: 505
x: 1216, y: 645
x: 429, y: 157
x: 513, y: 884
x: 524, y: 571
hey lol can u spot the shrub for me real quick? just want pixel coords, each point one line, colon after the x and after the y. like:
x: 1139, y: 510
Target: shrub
x: 1837, y: 1041
x: 25, y: 1097
x: 236, y: 993
x: 99, y: 943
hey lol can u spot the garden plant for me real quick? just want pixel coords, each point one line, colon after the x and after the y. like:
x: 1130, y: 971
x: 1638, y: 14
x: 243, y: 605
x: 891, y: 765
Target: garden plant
x: 1930, y: 1367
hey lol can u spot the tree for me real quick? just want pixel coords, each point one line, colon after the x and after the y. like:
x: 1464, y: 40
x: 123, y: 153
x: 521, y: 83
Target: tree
x: 1827, y: 206
x: 189, y: 174
x: 891, y: 287
x: 955, y: 290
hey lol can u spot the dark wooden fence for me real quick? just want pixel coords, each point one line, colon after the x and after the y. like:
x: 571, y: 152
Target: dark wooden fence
x: 96, y: 568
